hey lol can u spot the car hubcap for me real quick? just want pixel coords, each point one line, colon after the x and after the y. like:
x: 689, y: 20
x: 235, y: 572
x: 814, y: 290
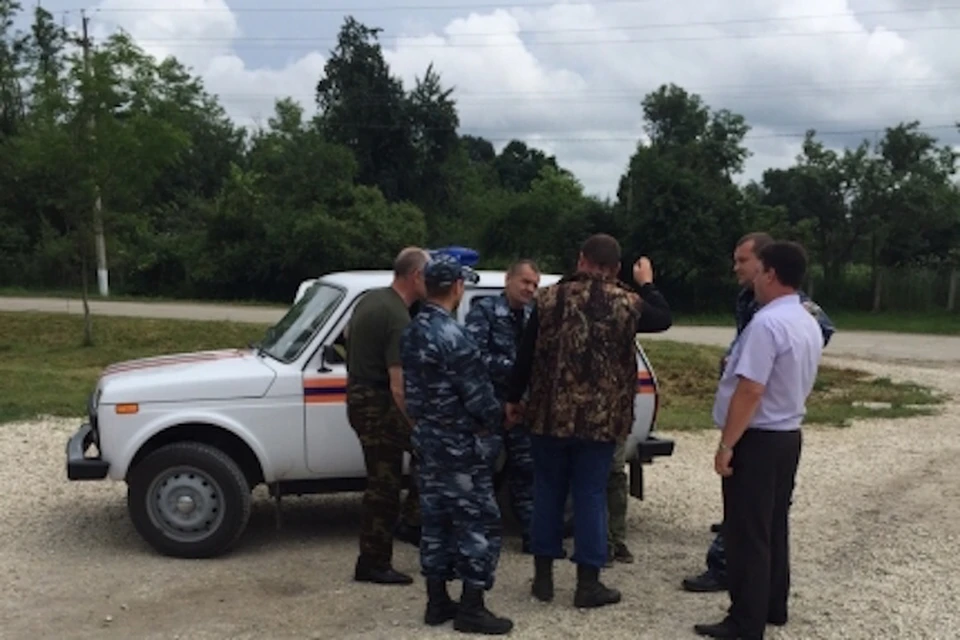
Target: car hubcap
x: 186, y: 504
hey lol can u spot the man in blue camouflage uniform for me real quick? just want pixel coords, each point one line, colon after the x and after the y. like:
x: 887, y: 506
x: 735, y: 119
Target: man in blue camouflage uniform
x: 450, y: 398
x: 746, y: 264
x: 496, y: 323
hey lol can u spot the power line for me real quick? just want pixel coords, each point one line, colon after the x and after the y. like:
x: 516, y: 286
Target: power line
x: 378, y: 9
x: 643, y: 27
x: 634, y: 136
x: 590, y: 97
x: 285, y: 42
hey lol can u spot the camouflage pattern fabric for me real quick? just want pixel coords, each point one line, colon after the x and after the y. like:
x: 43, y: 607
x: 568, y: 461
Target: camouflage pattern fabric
x: 461, y: 534
x: 617, y: 497
x: 456, y: 438
x: 584, y: 376
x: 496, y: 329
x: 384, y: 435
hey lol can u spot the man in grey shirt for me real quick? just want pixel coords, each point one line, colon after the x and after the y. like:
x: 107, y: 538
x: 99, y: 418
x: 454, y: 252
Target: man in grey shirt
x: 759, y: 407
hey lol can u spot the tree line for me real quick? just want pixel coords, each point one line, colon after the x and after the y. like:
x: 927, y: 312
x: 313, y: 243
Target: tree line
x: 191, y: 205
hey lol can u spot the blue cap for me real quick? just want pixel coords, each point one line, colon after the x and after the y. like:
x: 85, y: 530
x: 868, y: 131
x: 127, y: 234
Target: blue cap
x: 443, y: 270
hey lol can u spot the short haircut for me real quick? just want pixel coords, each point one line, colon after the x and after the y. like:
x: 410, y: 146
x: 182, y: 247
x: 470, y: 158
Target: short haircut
x: 519, y: 264
x: 409, y: 260
x: 439, y: 291
x: 788, y: 260
x: 602, y: 250
x: 760, y: 240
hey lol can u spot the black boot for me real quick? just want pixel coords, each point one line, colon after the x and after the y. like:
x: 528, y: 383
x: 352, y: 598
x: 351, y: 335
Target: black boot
x: 542, y: 588
x: 474, y: 617
x: 590, y: 591
x: 440, y: 608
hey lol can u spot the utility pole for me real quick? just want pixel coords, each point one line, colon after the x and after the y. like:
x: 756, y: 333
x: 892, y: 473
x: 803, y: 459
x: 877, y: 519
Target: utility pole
x: 103, y: 280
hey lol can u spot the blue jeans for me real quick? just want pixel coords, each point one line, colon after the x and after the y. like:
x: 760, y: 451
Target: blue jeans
x: 562, y: 465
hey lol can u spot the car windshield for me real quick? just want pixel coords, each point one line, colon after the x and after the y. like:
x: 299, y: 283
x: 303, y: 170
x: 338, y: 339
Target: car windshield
x: 287, y: 339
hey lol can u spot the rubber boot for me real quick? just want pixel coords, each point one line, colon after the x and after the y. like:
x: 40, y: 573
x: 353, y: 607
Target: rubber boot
x: 440, y: 608
x: 542, y: 588
x: 474, y: 617
x: 590, y: 591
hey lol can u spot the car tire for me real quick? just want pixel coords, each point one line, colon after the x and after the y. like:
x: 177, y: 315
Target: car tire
x: 189, y: 500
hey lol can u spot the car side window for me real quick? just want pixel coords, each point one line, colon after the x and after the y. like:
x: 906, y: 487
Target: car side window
x: 340, y: 349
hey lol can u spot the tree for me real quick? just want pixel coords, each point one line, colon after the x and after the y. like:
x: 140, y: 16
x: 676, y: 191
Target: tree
x: 364, y: 108
x: 677, y: 201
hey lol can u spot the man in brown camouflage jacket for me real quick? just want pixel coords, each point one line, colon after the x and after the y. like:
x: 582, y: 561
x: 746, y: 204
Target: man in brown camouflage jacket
x: 579, y: 359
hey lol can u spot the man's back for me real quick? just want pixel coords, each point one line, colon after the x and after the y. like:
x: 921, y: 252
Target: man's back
x: 585, y: 368
x: 373, y: 338
x: 446, y: 384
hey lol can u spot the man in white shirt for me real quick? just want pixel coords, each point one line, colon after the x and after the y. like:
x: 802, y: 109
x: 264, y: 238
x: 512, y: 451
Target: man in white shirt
x: 759, y: 407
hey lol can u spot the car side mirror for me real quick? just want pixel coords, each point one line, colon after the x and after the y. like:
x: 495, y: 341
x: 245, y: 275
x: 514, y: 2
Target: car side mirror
x: 327, y: 355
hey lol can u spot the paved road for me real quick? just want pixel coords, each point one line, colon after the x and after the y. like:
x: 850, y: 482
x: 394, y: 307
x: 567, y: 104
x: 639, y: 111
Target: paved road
x: 866, y: 345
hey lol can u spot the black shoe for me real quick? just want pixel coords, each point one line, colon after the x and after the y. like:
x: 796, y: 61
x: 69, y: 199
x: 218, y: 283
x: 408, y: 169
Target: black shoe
x: 704, y: 583
x: 387, y: 575
x: 407, y: 533
x: 592, y: 593
x: 622, y: 554
x: 440, y: 608
x: 474, y: 617
x: 777, y: 621
x: 719, y: 630
x: 716, y: 527
x: 542, y: 588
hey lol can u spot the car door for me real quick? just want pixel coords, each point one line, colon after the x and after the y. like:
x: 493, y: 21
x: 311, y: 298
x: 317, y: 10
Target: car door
x: 332, y: 447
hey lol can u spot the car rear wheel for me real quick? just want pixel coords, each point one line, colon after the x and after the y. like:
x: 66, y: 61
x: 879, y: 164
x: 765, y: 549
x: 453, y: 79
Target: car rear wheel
x: 189, y: 500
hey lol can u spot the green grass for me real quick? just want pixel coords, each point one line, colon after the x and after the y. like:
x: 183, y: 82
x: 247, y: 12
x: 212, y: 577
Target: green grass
x: 937, y: 322
x: 75, y: 294
x: 688, y: 380
x: 44, y: 370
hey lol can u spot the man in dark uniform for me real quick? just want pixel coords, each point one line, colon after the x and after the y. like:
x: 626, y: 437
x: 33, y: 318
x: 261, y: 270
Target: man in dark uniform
x: 496, y: 323
x: 375, y: 409
x: 457, y: 438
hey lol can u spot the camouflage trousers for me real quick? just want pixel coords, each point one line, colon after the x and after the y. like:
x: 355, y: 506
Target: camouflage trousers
x: 384, y: 435
x: 519, y: 475
x: 462, y: 533
x: 617, y: 497
x: 717, y: 559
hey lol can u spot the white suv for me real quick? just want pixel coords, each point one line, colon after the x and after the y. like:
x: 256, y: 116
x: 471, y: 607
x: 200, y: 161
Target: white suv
x: 192, y: 434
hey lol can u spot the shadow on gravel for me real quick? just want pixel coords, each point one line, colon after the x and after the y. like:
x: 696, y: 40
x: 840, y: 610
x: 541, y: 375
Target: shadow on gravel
x: 105, y: 528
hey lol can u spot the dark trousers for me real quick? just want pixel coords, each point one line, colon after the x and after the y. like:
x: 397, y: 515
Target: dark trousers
x: 756, y: 502
x: 562, y: 465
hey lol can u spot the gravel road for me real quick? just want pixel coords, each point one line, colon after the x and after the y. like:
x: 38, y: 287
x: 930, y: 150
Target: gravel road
x: 876, y: 526
x: 875, y: 346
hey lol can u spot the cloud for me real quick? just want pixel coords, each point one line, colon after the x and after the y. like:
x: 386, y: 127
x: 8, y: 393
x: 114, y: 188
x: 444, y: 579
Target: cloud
x: 569, y: 78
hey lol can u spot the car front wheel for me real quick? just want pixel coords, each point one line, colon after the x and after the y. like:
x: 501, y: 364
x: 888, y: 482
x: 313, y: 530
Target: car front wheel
x: 189, y: 500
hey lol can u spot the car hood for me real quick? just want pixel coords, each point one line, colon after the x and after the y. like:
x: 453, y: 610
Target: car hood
x: 184, y: 377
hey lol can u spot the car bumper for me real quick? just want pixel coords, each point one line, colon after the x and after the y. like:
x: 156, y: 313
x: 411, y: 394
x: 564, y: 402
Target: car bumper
x: 80, y: 467
x: 654, y: 447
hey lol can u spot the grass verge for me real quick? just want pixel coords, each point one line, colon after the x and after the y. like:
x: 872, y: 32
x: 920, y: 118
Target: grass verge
x: 688, y: 380
x: 44, y: 370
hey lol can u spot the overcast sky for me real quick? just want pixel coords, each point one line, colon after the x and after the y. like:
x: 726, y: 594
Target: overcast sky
x: 568, y: 77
